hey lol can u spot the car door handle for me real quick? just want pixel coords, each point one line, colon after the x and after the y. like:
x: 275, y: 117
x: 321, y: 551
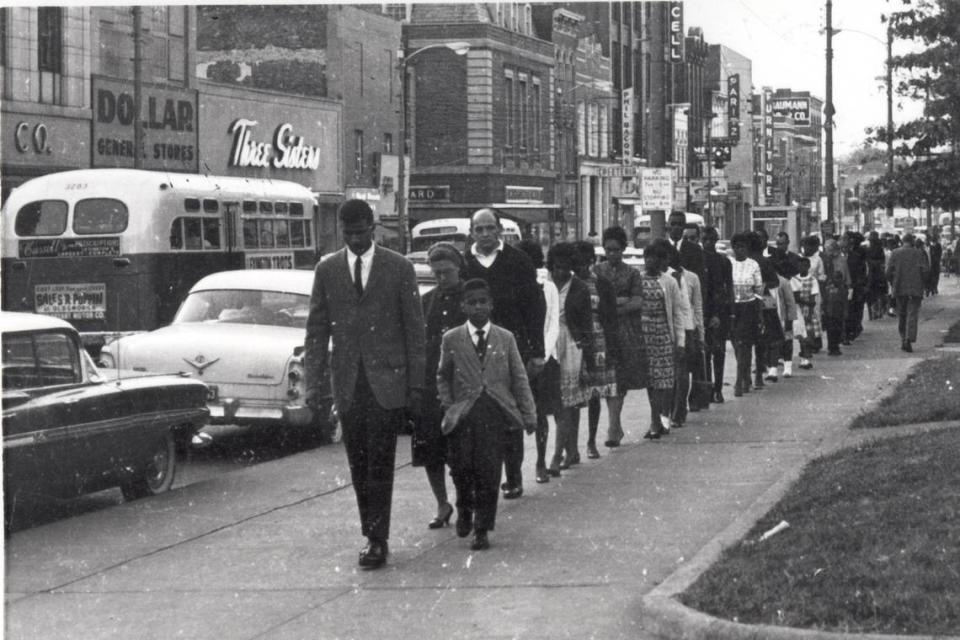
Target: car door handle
x: 121, y: 262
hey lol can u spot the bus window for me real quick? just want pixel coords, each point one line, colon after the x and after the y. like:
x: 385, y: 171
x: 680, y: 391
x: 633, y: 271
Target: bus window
x: 266, y: 207
x: 210, y: 205
x: 192, y: 234
x: 42, y: 218
x: 176, y: 234
x: 280, y: 208
x: 296, y: 209
x: 191, y: 204
x: 250, y: 234
x: 211, y: 233
x: 296, y: 233
x: 266, y: 234
x: 99, y: 215
x: 283, y: 234
x: 249, y: 206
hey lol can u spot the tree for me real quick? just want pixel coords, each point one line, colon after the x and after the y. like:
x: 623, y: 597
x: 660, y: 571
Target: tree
x: 930, y: 144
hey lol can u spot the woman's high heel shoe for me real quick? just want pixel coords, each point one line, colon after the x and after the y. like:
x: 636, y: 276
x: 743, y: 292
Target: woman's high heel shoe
x: 443, y: 518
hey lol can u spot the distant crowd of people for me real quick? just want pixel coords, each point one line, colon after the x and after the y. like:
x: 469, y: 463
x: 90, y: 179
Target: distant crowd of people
x: 509, y: 337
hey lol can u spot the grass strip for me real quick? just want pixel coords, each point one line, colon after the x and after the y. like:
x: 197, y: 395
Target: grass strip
x: 929, y: 393
x: 873, y: 546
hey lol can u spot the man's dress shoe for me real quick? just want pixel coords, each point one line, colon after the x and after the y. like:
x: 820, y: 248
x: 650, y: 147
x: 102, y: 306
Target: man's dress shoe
x: 374, y: 554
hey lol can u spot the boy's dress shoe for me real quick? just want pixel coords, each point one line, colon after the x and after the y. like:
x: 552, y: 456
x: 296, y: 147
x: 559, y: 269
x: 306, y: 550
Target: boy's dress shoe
x: 480, y: 541
x: 374, y: 555
x: 513, y: 493
x: 464, y: 523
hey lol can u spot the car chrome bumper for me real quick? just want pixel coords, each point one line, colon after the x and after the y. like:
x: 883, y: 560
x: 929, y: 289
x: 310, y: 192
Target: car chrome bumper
x: 231, y: 410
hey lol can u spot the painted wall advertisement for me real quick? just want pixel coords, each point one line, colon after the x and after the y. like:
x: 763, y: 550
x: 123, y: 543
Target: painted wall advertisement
x: 79, y: 301
x: 794, y: 108
x: 265, y: 135
x: 168, y: 120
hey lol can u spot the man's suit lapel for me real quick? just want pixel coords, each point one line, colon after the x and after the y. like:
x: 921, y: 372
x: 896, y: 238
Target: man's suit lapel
x: 342, y: 273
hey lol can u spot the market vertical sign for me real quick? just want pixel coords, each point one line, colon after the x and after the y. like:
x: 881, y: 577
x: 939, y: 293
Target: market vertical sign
x: 627, y: 127
x: 767, y: 146
x: 676, y: 32
x: 168, y: 117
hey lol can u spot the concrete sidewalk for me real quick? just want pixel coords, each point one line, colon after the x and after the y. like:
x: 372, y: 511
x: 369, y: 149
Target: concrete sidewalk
x: 270, y: 551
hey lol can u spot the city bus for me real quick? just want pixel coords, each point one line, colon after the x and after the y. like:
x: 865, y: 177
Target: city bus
x: 456, y: 231
x: 116, y: 250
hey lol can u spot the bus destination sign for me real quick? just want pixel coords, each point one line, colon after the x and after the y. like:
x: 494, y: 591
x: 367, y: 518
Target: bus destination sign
x: 108, y: 247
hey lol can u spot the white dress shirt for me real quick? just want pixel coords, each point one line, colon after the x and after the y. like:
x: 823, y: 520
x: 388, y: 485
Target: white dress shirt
x: 473, y: 332
x: 367, y: 258
x: 486, y: 260
x: 551, y: 320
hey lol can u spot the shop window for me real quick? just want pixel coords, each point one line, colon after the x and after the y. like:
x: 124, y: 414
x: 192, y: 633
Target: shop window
x: 100, y: 215
x: 50, y: 52
x: 41, y: 218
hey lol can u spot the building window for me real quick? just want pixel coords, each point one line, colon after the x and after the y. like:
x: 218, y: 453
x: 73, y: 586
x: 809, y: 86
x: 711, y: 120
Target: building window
x: 508, y: 106
x: 358, y: 151
x: 3, y: 37
x: 604, y: 133
x: 536, y: 115
x: 523, y: 108
x: 388, y: 143
x: 50, y: 52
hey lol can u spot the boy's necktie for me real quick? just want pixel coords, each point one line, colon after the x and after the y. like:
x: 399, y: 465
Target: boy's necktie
x: 481, y: 344
x: 358, y: 276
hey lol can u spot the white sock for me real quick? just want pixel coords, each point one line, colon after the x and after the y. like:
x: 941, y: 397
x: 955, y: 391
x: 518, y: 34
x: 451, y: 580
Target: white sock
x: 788, y: 369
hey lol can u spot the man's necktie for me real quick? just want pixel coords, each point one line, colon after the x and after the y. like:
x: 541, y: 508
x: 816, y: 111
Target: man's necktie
x: 358, y: 276
x: 481, y: 344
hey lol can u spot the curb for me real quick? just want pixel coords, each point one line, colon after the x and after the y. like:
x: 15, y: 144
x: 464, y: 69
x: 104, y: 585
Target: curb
x: 666, y: 617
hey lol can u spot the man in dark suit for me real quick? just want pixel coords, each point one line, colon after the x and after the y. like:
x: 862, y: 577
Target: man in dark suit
x: 691, y: 254
x: 717, y: 308
x: 518, y: 307
x: 906, y: 271
x: 365, y: 299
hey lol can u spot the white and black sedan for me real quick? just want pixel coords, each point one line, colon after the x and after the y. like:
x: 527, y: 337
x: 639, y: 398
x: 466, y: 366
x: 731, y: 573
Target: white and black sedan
x: 242, y: 333
x: 70, y: 429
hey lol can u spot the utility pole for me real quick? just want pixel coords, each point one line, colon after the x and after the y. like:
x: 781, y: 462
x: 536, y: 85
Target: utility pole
x: 137, y: 87
x: 828, y: 124
x: 889, y: 114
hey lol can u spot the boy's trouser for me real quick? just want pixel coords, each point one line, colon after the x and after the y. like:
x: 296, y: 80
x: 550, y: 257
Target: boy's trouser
x: 834, y: 329
x: 476, y: 448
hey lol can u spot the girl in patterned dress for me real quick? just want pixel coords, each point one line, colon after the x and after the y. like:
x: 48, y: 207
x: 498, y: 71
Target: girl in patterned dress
x: 599, y: 366
x: 631, y: 366
x: 663, y: 334
x: 747, y: 290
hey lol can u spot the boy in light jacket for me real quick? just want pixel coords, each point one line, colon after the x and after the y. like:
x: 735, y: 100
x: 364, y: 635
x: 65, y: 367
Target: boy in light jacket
x: 485, y: 394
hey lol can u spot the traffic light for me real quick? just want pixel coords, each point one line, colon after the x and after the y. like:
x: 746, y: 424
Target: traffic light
x: 720, y: 156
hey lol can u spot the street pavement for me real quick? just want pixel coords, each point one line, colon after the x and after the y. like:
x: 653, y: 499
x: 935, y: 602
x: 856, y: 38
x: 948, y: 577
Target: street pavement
x: 270, y: 551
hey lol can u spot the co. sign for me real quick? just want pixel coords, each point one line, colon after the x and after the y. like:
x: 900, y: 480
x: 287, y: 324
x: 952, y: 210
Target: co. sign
x: 37, y: 137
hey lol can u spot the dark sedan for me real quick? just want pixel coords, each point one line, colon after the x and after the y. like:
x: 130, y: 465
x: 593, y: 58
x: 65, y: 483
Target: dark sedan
x: 69, y: 429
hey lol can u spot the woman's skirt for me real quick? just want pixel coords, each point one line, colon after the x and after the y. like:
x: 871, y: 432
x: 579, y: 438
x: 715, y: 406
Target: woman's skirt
x: 745, y: 329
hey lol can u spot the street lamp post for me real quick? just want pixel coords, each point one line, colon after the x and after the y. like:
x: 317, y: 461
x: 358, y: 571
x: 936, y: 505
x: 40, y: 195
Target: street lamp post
x: 458, y: 47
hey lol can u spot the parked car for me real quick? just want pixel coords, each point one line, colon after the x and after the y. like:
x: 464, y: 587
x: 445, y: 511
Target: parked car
x: 242, y: 333
x: 69, y: 429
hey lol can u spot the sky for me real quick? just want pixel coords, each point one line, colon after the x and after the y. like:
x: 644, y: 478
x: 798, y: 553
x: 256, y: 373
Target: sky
x: 784, y: 40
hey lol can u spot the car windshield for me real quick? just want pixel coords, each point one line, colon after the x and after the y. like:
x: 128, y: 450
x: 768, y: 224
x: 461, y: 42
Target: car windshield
x: 245, y: 306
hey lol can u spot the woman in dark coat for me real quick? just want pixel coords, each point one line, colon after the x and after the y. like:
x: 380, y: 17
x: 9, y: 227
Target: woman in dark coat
x: 441, y: 311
